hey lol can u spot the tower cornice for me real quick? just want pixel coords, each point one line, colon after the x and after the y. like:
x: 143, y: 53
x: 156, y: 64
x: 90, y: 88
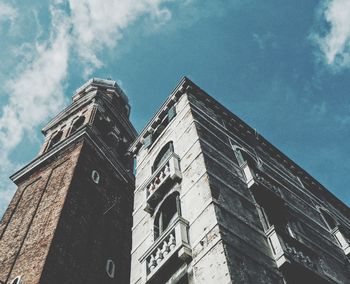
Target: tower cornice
x: 83, y: 133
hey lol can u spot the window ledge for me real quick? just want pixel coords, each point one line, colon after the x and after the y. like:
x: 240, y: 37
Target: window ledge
x: 155, y: 187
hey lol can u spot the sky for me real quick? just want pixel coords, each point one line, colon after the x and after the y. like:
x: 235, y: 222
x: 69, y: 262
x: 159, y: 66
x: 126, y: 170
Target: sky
x: 281, y: 66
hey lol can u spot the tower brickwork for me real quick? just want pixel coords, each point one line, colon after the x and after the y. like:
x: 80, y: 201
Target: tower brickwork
x: 215, y: 202
x: 70, y: 219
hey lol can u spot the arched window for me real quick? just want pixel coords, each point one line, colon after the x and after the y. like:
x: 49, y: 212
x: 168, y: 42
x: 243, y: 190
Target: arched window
x: 167, y: 213
x: 164, y: 154
x: 328, y: 219
x: 246, y: 162
x: 103, y: 125
x: 55, y: 139
x: 77, y: 124
x: 16, y: 280
x: 339, y: 232
x: 243, y: 157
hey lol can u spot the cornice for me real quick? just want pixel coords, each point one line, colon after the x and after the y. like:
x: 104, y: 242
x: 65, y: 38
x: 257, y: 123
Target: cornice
x: 187, y: 86
x: 175, y: 95
x: 84, y: 133
x: 69, y: 110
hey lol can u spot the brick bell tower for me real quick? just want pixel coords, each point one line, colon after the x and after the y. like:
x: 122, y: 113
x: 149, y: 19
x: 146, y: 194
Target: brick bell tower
x: 70, y: 219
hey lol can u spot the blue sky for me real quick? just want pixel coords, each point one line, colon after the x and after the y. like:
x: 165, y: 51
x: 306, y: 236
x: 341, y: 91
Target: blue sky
x: 282, y: 66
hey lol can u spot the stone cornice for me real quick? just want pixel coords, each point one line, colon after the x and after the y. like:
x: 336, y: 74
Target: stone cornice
x: 187, y: 86
x: 84, y: 133
x: 175, y: 94
x: 69, y: 110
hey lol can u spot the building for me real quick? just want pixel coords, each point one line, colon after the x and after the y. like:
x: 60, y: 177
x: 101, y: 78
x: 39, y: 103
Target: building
x: 70, y: 219
x: 215, y: 202
x: 212, y: 201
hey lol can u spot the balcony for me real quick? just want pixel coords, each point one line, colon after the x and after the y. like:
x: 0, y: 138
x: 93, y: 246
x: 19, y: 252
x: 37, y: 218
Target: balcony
x: 344, y: 242
x: 286, y: 249
x: 297, y: 262
x: 155, y: 187
x: 168, y: 252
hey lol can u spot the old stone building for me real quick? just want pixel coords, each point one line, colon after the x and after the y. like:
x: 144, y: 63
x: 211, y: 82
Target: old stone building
x: 212, y: 201
x: 215, y: 202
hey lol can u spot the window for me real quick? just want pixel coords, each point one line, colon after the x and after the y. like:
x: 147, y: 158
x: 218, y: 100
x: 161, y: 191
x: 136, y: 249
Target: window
x: 103, y: 125
x: 328, y: 219
x: 77, y: 124
x: 273, y: 212
x: 95, y: 176
x: 246, y: 162
x: 151, y: 137
x: 164, y: 154
x: 167, y: 213
x: 55, y: 139
x: 339, y: 232
x: 110, y: 268
x: 17, y: 280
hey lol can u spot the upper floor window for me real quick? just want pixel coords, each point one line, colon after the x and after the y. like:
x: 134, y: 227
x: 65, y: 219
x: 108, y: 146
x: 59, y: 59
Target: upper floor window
x: 151, y: 137
x: 167, y: 213
x: 328, y: 219
x: 77, y: 124
x: 55, y: 139
x: 339, y: 232
x: 246, y: 162
x: 103, y: 125
x: 163, y: 155
x: 16, y: 280
x: 273, y: 212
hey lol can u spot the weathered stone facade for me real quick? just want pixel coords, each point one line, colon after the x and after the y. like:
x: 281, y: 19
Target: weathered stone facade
x: 212, y: 202
x: 249, y: 214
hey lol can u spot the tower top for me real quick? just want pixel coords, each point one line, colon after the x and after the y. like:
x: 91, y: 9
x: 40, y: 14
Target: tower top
x: 104, y: 84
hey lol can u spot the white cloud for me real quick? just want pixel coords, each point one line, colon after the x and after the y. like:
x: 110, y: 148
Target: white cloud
x: 100, y: 24
x: 334, y: 44
x: 7, y: 12
x: 35, y: 89
x: 35, y: 93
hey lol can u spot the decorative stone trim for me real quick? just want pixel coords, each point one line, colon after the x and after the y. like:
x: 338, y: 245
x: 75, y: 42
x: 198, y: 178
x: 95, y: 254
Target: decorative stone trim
x: 173, y: 243
x: 155, y: 186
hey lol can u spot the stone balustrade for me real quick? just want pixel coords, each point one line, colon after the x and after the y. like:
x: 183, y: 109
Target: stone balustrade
x: 173, y: 243
x: 155, y: 185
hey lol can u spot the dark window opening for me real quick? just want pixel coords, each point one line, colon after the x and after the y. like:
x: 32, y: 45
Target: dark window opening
x: 329, y: 220
x: 103, y: 126
x: 166, y: 214
x: 17, y: 280
x: 77, y: 124
x: 55, y: 139
x: 243, y: 157
x: 273, y: 212
x: 163, y: 155
x: 246, y: 163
